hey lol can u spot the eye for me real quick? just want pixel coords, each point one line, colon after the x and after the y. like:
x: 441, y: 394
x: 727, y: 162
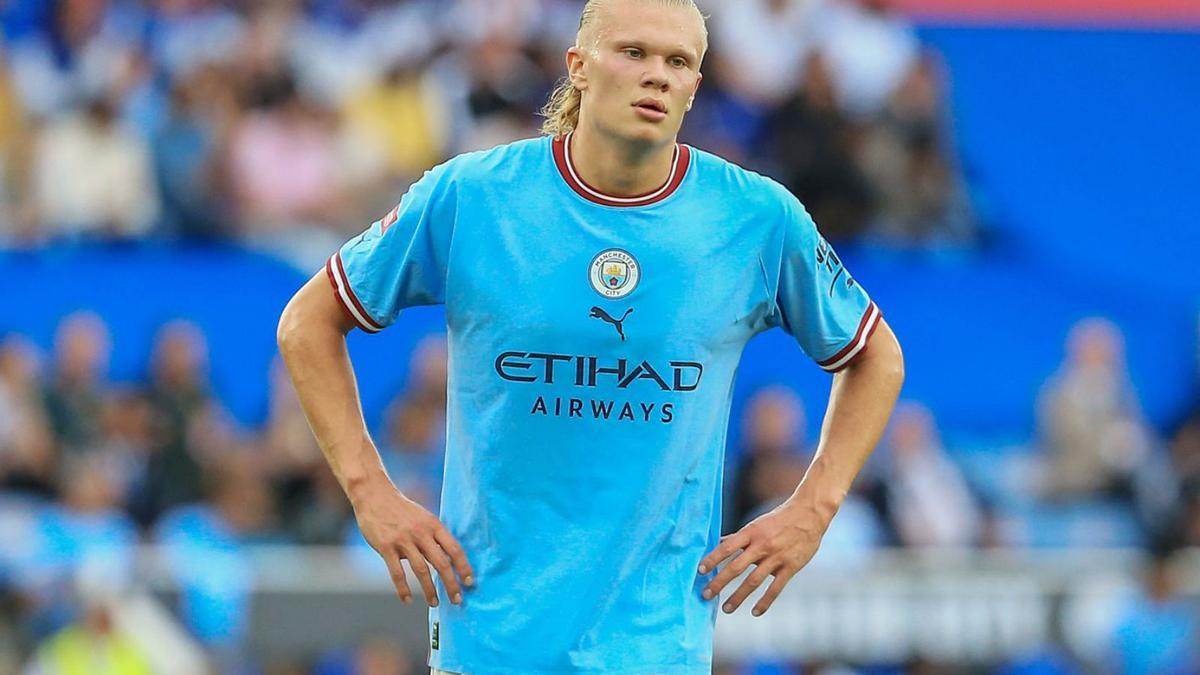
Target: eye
x: 678, y: 62
x: 632, y: 52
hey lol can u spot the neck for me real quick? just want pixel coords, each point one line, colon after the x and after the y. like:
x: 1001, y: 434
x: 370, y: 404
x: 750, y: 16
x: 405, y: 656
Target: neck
x: 618, y: 166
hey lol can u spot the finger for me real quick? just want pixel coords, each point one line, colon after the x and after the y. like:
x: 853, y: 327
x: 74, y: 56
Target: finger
x: 731, y: 571
x: 728, y: 546
x: 458, y: 557
x: 441, y: 562
x: 776, y: 587
x: 416, y: 561
x: 749, y: 585
x: 399, y: 578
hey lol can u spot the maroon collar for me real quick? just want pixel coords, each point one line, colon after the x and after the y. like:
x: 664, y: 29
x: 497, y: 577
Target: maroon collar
x: 562, y: 159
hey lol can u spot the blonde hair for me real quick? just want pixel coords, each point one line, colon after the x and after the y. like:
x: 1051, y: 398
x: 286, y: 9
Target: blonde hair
x: 562, y: 110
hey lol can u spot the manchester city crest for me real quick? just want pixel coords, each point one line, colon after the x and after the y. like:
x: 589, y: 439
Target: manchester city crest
x: 614, y: 273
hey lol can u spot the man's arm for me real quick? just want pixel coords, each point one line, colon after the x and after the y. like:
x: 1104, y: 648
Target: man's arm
x: 781, y: 543
x: 312, y: 339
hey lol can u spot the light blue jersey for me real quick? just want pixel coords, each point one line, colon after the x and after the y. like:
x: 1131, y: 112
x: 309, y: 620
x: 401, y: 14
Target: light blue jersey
x: 593, y: 342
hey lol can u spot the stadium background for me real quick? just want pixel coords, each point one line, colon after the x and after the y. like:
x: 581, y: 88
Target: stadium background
x: 1014, y: 182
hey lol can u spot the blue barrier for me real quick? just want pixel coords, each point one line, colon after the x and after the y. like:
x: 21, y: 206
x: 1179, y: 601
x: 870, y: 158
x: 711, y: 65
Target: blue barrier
x: 1087, y: 144
x: 980, y: 336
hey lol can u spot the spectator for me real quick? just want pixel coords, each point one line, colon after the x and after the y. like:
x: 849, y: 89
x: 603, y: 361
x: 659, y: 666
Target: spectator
x: 1190, y: 528
x: 1090, y: 419
x: 929, y: 502
x: 205, y: 546
x: 60, y: 51
x: 290, y: 213
x: 812, y: 147
x: 508, y: 21
x: 398, y: 128
x: 14, y: 150
x: 75, y: 395
x: 761, y: 46
x: 125, y: 445
x: 414, y: 453
x: 320, y: 512
x: 503, y: 89
x: 771, y: 461
x: 27, y: 449
x: 85, y: 532
x: 428, y: 369
x: 348, y: 46
x: 1185, y: 455
x: 89, y: 528
x: 188, y: 152
x: 187, y: 423
x: 1185, y: 469
x: 905, y: 155
x: 774, y: 463
x: 312, y: 507
x: 853, y: 536
x: 188, y: 34
x: 288, y: 443
x: 415, y: 449
x: 94, y: 645
x: 870, y: 49
x: 92, y: 178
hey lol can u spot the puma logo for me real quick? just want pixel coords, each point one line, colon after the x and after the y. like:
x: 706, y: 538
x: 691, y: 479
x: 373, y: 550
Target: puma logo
x: 598, y: 313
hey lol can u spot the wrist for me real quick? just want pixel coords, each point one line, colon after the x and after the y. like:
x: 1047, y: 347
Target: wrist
x: 812, y: 503
x: 361, y: 486
x: 818, y: 494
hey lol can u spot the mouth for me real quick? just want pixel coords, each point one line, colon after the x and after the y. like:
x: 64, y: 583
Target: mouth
x: 652, y: 109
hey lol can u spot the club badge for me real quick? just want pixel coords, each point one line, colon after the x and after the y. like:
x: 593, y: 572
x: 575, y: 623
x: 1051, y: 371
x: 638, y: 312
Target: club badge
x: 614, y: 273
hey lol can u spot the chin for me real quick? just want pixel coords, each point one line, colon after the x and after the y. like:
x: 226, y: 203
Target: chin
x: 649, y: 133
x: 640, y: 132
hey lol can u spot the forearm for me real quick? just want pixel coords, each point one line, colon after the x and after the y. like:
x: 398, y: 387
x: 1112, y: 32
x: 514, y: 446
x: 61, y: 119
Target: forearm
x: 313, y: 346
x: 860, y: 404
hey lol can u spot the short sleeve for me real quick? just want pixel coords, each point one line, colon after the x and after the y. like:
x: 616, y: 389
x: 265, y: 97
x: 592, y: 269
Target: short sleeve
x: 816, y: 300
x: 401, y: 259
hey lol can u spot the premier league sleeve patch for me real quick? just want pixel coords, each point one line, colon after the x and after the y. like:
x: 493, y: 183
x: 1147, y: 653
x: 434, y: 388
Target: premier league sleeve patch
x: 614, y: 273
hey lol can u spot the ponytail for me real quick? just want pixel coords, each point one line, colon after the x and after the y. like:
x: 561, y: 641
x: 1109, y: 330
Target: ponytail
x: 562, y: 110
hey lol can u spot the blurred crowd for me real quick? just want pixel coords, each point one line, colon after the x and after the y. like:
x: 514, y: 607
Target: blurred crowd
x: 289, y: 125
x: 90, y: 469
x: 1097, y: 474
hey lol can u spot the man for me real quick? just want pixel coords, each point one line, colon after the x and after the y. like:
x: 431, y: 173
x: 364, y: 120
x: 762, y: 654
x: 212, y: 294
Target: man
x: 600, y: 284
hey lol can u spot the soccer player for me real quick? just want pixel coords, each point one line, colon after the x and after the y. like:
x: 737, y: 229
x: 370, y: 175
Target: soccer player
x: 600, y: 283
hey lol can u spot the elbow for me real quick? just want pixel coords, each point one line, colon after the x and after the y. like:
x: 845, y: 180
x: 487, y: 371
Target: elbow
x: 288, y: 329
x: 310, y: 321
x: 895, y: 361
x: 896, y: 369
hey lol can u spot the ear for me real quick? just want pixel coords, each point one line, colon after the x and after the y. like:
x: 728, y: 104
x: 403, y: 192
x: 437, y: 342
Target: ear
x: 692, y: 98
x: 575, y: 68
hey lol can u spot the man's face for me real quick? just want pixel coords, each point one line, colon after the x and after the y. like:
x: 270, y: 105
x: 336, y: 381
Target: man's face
x: 638, y: 67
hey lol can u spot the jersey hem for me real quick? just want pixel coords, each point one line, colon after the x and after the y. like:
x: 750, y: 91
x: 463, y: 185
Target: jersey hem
x: 858, y: 343
x: 347, y: 300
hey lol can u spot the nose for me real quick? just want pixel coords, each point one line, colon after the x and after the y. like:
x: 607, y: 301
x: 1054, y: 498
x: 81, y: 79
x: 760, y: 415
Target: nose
x: 655, y: 76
